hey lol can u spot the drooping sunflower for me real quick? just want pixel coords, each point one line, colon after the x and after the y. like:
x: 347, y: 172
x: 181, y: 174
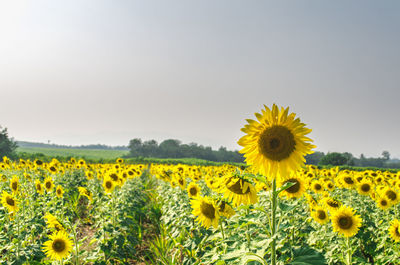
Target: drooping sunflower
x: 331, y: 203
x: 275, y: 144
x: 239, y: 191
x: 206, y: 211
x: 59, y: 246
x: 295, y: 191
x: 225, y: 209
x: 14, y: 184
x: 59, y: 191
x: 84, y: 192
x: 9, y: 202
x: 320, y: 215
x: 394, y: 230
x: 48, y: 184
x: 193, y: 190
x: 345, y: 222
x: 52, y: 222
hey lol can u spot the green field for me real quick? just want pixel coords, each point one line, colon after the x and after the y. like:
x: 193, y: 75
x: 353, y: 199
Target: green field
x: 70, y: 152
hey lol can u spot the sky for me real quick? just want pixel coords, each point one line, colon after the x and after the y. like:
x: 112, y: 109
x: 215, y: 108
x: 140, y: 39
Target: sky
x: 85, y: 72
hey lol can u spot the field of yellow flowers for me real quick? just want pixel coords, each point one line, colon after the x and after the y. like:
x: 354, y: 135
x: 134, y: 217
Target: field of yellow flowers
x: 274, y: 210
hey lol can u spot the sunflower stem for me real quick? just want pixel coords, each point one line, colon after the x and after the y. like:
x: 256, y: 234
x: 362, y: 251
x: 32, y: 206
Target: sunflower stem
x: 19, y: 241
x: 273, y: 221
x: 222, y: 229
x: 349, y: 256
x: 248, y: 230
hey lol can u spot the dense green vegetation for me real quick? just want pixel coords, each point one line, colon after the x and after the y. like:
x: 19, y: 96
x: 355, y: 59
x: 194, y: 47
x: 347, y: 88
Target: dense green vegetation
x: 172, y: 148
x: 7, y: 145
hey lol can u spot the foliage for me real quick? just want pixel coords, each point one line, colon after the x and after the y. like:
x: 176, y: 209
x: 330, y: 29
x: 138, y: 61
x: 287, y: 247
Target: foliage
x: 172, y: 148
x: 7, y: 145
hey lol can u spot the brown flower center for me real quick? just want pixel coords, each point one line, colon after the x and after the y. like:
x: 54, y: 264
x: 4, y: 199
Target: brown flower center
x: 321, y: 214
x: 391, y: 195
x: 10, y: 201
x: 58, y: 245
x: 345, y: 222
x: 237, y: 187
x: 348, y: 180
x: 276, y: 143
x: 365, y: 187
x: 207, y: 210
x: 295, y: 188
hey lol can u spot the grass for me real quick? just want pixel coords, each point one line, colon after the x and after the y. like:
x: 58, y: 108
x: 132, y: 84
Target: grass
x: 95, y: 154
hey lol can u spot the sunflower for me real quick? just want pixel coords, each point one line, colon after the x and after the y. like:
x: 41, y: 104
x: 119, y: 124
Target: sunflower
x: 383, y: 203
x: 239, y: 191
x: 14, y: 184
x: 391, y: 195
x: 59, y: 191
x: 332, y: 204
x: 193, y: 190
x: 295, y: 191
x: 394, y: 230
x: 52, y: 222
x: 120, y: 160
x: 320, y: 215
x: 365, y: 187
x: 317, y: 186
x: 108, y: 185
x: 48, y: 184
x: 39, y: 187
x: 84, y: 192
x: 345, y: 222
x: 329, y: 185
x: 275, y: 144
x: 9, y: 202
x: 225, y: 209
x: 206, y: 211
x: 347, y: 181
x: 59, y: 246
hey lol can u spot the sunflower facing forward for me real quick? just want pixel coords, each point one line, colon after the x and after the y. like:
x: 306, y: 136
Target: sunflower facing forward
x: 59, y: 246
x: 345, y: 222
x: 9, y: 202
x: 275, y: 144
x: 206, y: 211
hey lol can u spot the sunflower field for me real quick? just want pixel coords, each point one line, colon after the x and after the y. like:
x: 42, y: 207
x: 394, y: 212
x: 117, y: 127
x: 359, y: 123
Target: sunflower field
x: 273, y: 210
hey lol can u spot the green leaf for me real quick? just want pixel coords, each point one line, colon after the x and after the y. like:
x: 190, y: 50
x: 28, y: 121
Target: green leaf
x: 285, y: 186
x: 307, y: 256
x: 253, y: 257
x: 285, y: 207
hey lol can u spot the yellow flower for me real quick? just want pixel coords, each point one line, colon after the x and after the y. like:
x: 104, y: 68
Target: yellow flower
x: 391, y: 195
x: 365, y: 187
x: 320, y: 215
x: 345, y: 222
x: 275, y: 144
x: 193, y: 190
x: 331, y: 204
x: 84, y: 192
x: 108, y: 185
x: 225, y: 209
x: 317, y: 186
x: 9, y: 202
x: 206, y: 211
x: 39, y: 187
x: 295, y: 191
x: 48, y: 184
x: 14, y: 184
x: 52, y: 222
x: 120, y: 160
x: 59, y: 191
x: 383, y: 203
x: 239, y: 191
x: 59, y: 246
x: 394, y: 230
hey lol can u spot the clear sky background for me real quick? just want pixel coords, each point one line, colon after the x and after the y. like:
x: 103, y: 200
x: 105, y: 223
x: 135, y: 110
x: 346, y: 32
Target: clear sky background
x: 93, y: 71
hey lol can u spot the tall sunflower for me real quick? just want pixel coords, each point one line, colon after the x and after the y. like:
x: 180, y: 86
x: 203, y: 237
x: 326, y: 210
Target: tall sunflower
x: 275, y: 144
x: 59, y: 246
x: 206, y: 211
x: 345, y: 222
x: 48, y: 184
x: 14, y: 184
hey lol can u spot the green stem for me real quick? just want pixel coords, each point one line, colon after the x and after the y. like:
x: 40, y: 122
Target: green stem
x: 248, y: 230
x: 19, y: 241
x: 349, y: 256
x: 76, y: 247
x: 222, y: 229
x: 273, y: 221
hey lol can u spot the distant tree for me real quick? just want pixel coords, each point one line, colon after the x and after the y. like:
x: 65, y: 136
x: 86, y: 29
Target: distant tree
x: 314, y: 158
x: 386, y: 155
x: 334, y: 159
x: 135, y: 147
x: 7, y: 145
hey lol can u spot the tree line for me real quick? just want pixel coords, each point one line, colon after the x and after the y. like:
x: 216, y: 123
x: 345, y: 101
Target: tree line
x: 173, y: 148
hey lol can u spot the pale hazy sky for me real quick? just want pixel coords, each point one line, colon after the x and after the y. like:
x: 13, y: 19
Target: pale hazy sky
x: 92, y: 71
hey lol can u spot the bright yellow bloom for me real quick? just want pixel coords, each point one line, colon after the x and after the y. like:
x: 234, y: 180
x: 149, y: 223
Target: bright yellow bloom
x: 394, y: 230
x: 320, y: 215
x: 9, y: 202
x: 59, y: 246
x: 345, y: 222
x: 275, y: 144
x: 206, y: 211
x: 193, y: 190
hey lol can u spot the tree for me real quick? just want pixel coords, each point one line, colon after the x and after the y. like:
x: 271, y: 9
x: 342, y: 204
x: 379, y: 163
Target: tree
x: 334, y: 159
x: 7, y: 145
x: 135, y: 147
x: 386, y: 155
